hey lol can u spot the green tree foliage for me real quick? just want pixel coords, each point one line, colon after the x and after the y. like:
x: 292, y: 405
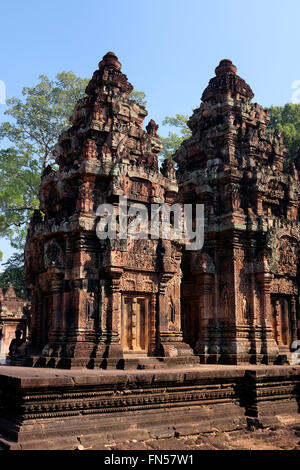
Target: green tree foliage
x: 139, y: 97
x: 20, y: 180
x: 287, y: 119
x: 36, y: 121
x: 34, y: 125
x: 173, y: 140
x: 14, y: 274
x: 42, y: 115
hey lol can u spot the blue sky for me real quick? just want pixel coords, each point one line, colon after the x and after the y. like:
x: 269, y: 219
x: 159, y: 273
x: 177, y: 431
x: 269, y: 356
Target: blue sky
x: 168, y: 48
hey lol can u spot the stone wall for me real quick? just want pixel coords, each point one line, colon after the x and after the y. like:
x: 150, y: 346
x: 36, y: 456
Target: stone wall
x: 60, y: 409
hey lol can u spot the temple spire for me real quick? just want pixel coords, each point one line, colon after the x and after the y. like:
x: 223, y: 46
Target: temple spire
x: 225, y: 66
x: 110, y: 61
x: 226, y: 82
x: 10, y: 293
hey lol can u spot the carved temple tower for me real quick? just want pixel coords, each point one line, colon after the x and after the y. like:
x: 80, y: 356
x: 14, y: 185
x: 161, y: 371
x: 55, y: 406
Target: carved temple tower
x: 240, y: 293
x: 102, y: 302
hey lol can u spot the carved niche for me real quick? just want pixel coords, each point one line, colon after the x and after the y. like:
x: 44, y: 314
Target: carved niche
x: 287, y: 252
x: 284, y: 247
x: 53, y: 254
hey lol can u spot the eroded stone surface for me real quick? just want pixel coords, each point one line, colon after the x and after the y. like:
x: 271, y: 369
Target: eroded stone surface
x: 280, y: 438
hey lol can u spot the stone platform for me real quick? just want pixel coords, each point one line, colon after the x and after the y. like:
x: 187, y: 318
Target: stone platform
x: 132, y: 361
x: 59, y: 409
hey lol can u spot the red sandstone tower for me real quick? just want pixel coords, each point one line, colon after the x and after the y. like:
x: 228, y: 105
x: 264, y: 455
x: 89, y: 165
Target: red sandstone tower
x: 102, y: 302
x: 240, y: 294
x: 110, y: 302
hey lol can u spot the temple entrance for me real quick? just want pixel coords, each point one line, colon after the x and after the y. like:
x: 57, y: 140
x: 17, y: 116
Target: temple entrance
x: 190, y: 322
x: 281, y: 319
x: 134, y: 332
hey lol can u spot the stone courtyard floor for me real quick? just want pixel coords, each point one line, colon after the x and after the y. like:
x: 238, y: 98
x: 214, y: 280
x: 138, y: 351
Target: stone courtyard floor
x: 281, y: 438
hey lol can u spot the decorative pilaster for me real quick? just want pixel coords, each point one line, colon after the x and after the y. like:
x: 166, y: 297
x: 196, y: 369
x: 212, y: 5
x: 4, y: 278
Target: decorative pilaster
x: 269, y: 347
x: 294, y: 318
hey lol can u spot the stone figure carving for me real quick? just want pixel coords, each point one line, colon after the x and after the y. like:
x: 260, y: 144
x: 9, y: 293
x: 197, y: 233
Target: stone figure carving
x: 167, y: 169
x: 245, y: 309
x: 225, y: 302
x: 17, y: 345
x: 53, y: 254
x: 171, y: 311
x: 90, y: 309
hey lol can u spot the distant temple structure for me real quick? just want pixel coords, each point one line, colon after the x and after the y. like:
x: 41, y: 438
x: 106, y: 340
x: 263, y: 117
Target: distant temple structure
x: 13, y: 317
x: 150, y: 302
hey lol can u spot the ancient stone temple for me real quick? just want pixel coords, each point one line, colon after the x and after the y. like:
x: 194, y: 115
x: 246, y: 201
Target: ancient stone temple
x: 121, y: 301
x: 102, y: 302
x: 13, y: 317
x: 240, y: 293
x: 150, y: 302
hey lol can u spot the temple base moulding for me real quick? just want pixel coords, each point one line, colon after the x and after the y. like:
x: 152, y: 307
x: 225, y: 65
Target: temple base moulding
x: 58, y: 409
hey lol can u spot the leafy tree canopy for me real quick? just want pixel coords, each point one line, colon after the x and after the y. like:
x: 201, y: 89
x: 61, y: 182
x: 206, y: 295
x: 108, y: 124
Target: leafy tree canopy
x: 14, y: 274
x: 139, y: 97
x: 36, y: 121
x: 42, y: 115
x: 173, y: 140
x: 34, y: 125
x: 287, y: 119
x: 20, y: 180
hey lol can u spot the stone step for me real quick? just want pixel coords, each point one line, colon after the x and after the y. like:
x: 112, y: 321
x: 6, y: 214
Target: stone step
x: 159, y: 362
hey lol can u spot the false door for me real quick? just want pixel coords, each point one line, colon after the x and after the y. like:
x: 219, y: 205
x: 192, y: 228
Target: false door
x: 281, y: 321
x: 134, y: 332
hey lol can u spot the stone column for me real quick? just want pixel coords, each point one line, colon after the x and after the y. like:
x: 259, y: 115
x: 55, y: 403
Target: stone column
x: 101, y: 308
x: 205, y: 310
x: 162, y: 314
x: 255, y: 341
x: 277, y: 322
x: 134, y: 325
x: 152, y: 324
x: 115, y: 332
x: 114, y: 351
x: 37, y: 322
x: 298, y: 318
x: 56, y: 291
x: 269, y: 346
x: 294, y: 318
x: 33, y: 317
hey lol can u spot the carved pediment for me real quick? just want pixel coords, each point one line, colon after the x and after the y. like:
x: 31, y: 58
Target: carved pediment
x: 284, y: 249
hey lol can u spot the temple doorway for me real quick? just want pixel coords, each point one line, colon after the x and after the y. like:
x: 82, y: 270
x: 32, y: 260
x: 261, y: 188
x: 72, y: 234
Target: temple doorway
x: 191, y: 321
x: 281, y: 320
x: 134, y: 333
